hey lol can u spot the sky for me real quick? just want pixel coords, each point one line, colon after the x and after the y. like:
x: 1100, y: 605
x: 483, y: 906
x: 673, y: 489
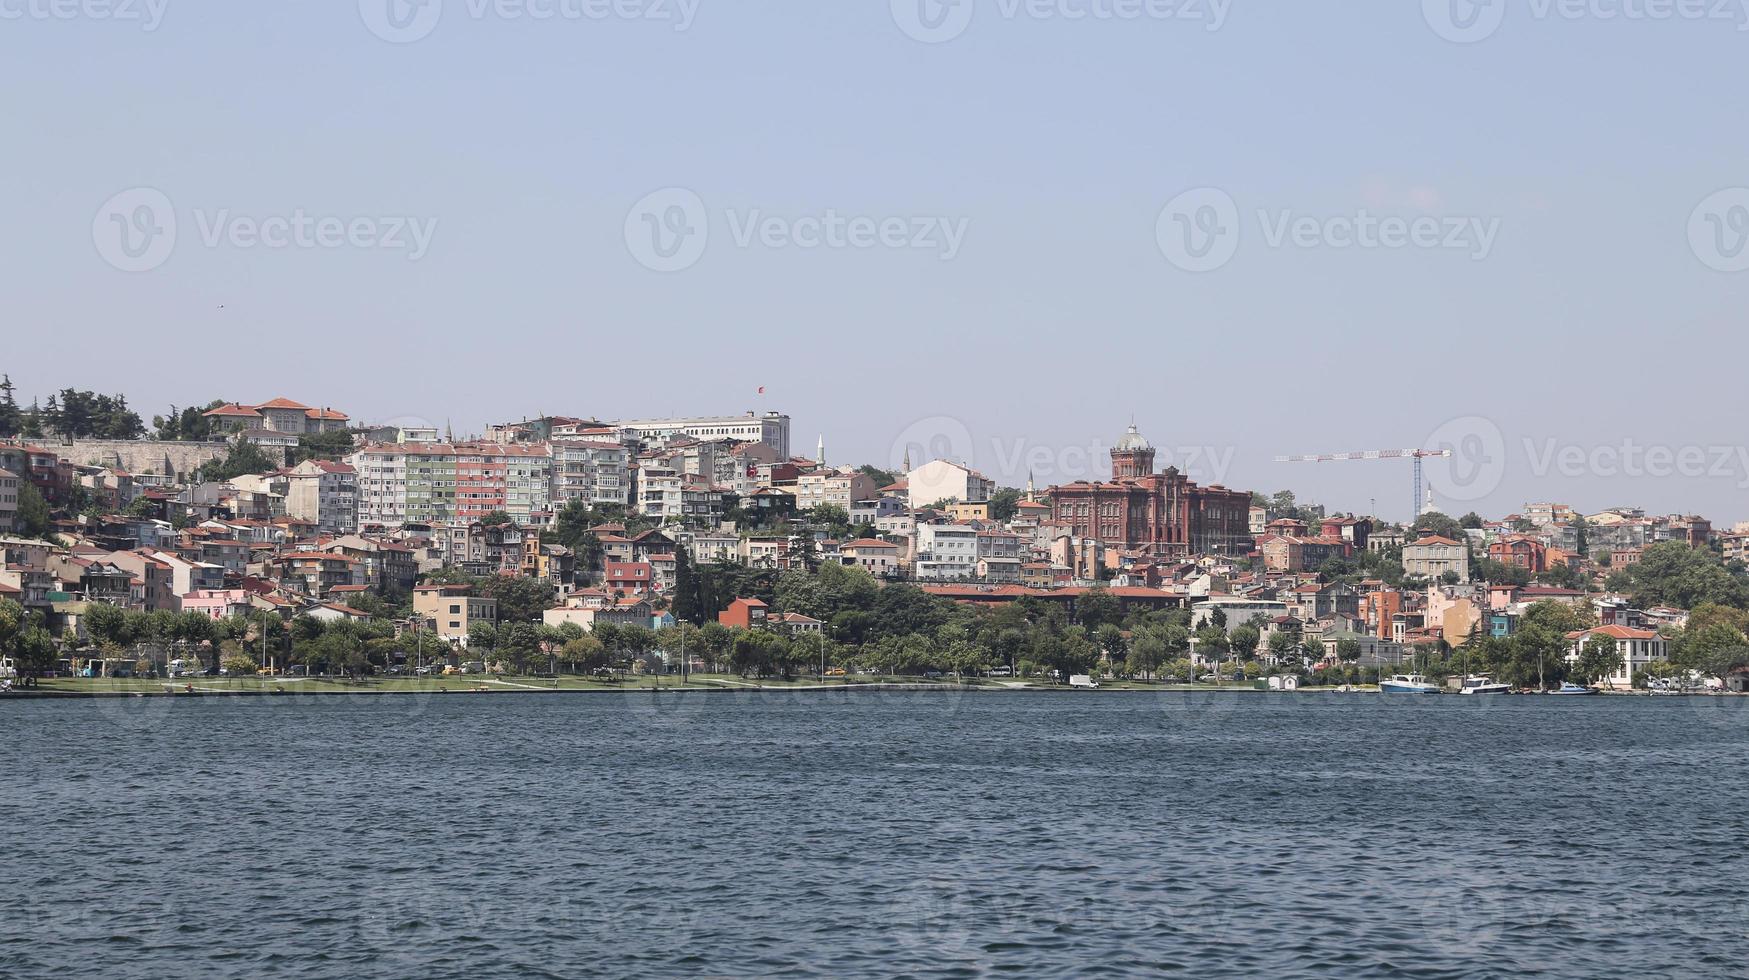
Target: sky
x: 1000, y: 230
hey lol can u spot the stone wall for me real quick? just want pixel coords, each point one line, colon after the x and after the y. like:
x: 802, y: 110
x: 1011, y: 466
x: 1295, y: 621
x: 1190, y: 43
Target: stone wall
x: 177, y: 459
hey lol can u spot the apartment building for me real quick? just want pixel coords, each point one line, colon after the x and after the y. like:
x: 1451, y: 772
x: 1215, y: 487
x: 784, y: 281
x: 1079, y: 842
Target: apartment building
x: 593, y: 472
x: 943, y: 479
x: 946, y: 551
x: 841, y: 488
x: 771, y: 428
x: 8, y: 501
x: 452, y: 609
x: 1433, y: 556
x: 325, y: 493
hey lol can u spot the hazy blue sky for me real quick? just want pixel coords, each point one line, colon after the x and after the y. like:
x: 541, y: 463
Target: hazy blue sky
x: 1581, y: 144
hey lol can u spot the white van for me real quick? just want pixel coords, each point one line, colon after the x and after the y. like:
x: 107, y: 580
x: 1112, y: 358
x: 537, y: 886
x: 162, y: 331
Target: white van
x: 1084, y: 681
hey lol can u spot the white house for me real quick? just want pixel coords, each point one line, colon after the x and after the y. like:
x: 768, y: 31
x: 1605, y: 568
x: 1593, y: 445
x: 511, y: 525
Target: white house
x: 1637, y: 648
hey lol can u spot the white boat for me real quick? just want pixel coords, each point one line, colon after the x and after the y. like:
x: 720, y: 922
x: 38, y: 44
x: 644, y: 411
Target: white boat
x: 1484, y: 685
x: 1408, y: 684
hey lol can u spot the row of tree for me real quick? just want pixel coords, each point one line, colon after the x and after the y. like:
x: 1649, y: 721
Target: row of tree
x: 69, y: 412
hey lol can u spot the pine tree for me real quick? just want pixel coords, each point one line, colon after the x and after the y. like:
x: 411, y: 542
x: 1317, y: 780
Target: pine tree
x: 686, y: 592
x: 11, y: 419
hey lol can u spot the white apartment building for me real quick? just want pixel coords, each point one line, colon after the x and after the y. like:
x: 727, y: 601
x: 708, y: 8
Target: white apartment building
x: 771, y: 428
x: 381, y: 474
x: 943, y: 479
x: 946, y: 551
x: 593, y: 472
x: 838, y: 488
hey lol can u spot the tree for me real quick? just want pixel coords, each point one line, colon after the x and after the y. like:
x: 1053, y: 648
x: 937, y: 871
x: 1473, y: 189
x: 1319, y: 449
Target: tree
x: 687, y: 608
x: 1148, y: 650
x: 482, y: 637
x: 11, y: 419
x: 240, y: 665
x: 1281, y: 645
x: 496, y: 518
x: 1670, y: 573
x: 1111, y: 640
x: 584, y: 653
x: 716, y: 639
x: 1004, y: 504
x: 1471, y: 521
x: 520, y: 598
x: 832, y: 518
x: 1348, y: 650
x: 1243, y: 642
x: 1097, y: 607
x: 32, y: 518
x: 1075, y: 653
x: 242, y: 458
x: 1435, y: 523
x: 880, y: 477
x: 1598, y: 658
x: 330, y: 445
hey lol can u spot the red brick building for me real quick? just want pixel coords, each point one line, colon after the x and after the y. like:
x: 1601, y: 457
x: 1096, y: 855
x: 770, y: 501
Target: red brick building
x: 1520, y: 550
x: 1161, y: 514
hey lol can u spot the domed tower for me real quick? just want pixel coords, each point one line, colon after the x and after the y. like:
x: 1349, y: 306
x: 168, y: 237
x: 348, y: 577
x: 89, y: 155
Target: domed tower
x: 1132, y: 458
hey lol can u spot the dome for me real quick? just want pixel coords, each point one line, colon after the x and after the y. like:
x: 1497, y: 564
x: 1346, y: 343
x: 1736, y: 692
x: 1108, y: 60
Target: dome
x: 1132, y: 441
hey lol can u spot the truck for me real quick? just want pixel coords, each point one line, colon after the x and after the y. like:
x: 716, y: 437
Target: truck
x: 1084, y: 681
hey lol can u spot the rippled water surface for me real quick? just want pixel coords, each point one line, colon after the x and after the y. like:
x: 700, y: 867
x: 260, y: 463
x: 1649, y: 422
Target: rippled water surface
x: 756, y: 834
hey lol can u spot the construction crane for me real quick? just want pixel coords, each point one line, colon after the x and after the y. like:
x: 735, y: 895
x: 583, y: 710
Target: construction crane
x: 1416, y: 454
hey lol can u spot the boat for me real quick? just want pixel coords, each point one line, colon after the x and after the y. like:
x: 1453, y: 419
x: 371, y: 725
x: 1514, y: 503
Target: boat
x: 1572, y: 688
x: 1408, y: 684
x: 1484, y: 685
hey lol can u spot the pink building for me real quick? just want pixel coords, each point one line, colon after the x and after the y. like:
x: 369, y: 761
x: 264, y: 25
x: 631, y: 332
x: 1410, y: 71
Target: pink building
x: 217, y: 603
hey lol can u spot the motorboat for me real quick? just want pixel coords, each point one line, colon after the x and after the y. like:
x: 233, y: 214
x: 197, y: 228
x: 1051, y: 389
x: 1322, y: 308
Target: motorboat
x: 1408, y: 684
x: 1571, y: 688
x: 1484, y: 685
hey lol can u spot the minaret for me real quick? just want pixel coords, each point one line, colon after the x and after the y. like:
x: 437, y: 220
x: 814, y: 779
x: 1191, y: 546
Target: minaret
x: 907, y: 459
x: 820, y: 451
x: 1031, y: 491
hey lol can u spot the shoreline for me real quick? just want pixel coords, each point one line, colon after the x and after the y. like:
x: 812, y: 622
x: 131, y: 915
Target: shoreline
x: 408, y: 689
